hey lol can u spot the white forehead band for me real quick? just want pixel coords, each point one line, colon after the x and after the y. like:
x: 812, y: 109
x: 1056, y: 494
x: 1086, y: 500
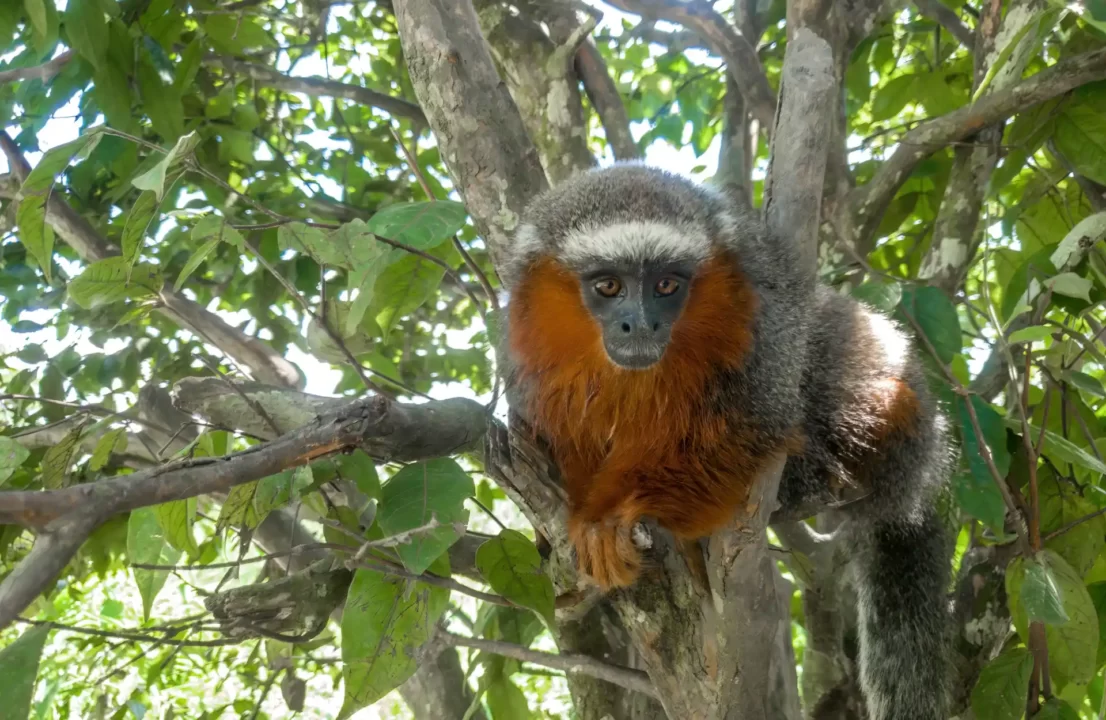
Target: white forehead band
x: 636, y: 241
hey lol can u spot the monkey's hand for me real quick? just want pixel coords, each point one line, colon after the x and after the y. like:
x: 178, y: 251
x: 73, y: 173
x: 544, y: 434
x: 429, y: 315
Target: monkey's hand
x: 605, y: 550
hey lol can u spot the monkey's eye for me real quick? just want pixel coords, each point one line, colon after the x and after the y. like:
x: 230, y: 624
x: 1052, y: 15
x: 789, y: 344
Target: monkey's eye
x: 608, y: 287
x: 667, y: 286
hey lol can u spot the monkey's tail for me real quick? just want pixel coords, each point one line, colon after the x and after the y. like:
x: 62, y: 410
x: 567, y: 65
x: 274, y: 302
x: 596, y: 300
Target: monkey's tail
x: 902, y: 566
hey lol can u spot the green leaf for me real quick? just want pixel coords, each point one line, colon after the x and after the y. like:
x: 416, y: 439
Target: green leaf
x: 161, y: 101
x: 416, y: 494
x: 1040, y: 595
x: 41, y: 178
x: 1072, y: 647
x: 189, y: 65
x: 385, y: 621
x: 1071, y: 285
x: 881, y: 296
x: 1033, y: 334
x: 890, y: 99
x: 1081, y: 138
x: 1076, y: 243
x: 36, y: 13
x: 1000, y: 692
x: 58, y: 459
x: 1056, y: 709
x: 106, y: 281
x: 18, y: 671
x: 195, y: 260
x: 976, y: 497
x: 421, y: 225
x: 35, y: 235
x: 278, y: 490
x: 146, y: 545
x: 327, y: 249
x: 154, y: 178
x: 1060, y: 506
x: 936, y: 316
x: 176, y: 519
x: 12, y: 455
x: 511, y: 565
x: 113, y: 441
x: 1085, y: 382
x: 214, y: 227
x: 404, y: 286
x: 506, y: 700
x: 44, y: 23
x: 1097, y: 591
x: 138, y: 219
x: 1060, y: 448
x: 87, y: 30
x: 112, y: 91
x: 238, y: 509
x: 361, y: 470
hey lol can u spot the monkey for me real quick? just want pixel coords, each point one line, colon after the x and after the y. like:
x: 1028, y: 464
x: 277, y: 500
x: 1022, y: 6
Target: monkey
x: 667, y: 348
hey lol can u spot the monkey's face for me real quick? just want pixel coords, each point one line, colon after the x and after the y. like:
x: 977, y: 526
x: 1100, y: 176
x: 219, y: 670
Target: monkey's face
x: 636, y: 304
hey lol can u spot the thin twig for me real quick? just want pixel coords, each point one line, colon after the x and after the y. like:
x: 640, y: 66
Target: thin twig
x: 570, y: 663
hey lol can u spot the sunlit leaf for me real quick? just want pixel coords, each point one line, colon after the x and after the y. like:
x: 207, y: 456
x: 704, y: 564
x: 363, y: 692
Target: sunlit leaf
x: 58, y: 459
x: 12, y: 455
x: 146, y: 545
x: 176, y: 519
x: 511, y: 565
x: 385, y: 620
x: 18, y: 671
x: 1000, y: 692
x: 111, y: 442
x: 106, y: 281
x: 421, y: 492
x: 420, y: 225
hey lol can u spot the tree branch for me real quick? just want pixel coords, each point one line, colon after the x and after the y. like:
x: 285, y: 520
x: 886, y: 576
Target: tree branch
x: 870, y: 200
x: 42, y: 72
x: 724, y: 40
x: 316, y: 86
x: 66, y: 517
x: 948, y: 19
x: 496, y: 172
x: 624, y: 677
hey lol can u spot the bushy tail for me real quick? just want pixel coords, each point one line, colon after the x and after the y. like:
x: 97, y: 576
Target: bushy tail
x: 902, y: 566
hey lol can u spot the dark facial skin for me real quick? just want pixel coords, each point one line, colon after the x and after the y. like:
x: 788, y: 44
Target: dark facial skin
x: 636, y: 305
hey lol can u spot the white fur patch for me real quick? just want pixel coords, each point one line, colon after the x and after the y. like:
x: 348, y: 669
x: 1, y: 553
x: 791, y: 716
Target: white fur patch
x: 636, y: 241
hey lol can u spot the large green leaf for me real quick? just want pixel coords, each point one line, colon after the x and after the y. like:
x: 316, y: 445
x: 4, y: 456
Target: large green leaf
x: 18, y: 671
x: 1081, y: 137
x: 58, y: 459
x: 978, y: 494
x: 1060, y: 507
x: 176, y: 519
x: 511, y: 565
x: 138, y: 220
x: 238, y: 509
x: 1060, y: 448
x: 1000, y: 692
x: 156, y: 178
x: 435, y: 489
x: 111, y: 442
x: 421, y: 225
x: 1073, y: 646
x: 112, y: 280
x: 936, y: 316
x: 146, y: 545
x: 12, y: 455
x: 385, y: 621
x: 87, y: 30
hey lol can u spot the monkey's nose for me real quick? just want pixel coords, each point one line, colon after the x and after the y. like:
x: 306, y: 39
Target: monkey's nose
x: 631, y: 326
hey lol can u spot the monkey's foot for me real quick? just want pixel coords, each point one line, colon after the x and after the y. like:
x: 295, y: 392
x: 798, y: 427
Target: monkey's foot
x: 605, y: 552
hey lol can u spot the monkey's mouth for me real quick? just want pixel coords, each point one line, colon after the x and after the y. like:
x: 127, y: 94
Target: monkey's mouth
x: 635, y: 356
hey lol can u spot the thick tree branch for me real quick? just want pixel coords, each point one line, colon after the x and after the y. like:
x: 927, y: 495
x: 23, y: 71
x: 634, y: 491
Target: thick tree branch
x: 65, y: 517
x: 948, y: 19
x: 264, y: 362
x: 796, y: 173
x: 870, y: 200
x: 724, y: 40
x: 624, y: 677
x: 456, y: 82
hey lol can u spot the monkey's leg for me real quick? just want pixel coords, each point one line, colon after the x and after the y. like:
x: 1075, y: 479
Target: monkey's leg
x: 600, y: 528
x: 902, y: 565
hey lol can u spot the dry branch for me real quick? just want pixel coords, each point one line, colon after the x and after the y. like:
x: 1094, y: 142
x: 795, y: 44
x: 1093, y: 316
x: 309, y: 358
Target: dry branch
x: 869, y: 201
x: 604, y: 97
x: 42, y: 72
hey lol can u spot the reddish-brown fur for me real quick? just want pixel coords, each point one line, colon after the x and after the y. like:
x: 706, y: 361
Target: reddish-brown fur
x: 637, y: 443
